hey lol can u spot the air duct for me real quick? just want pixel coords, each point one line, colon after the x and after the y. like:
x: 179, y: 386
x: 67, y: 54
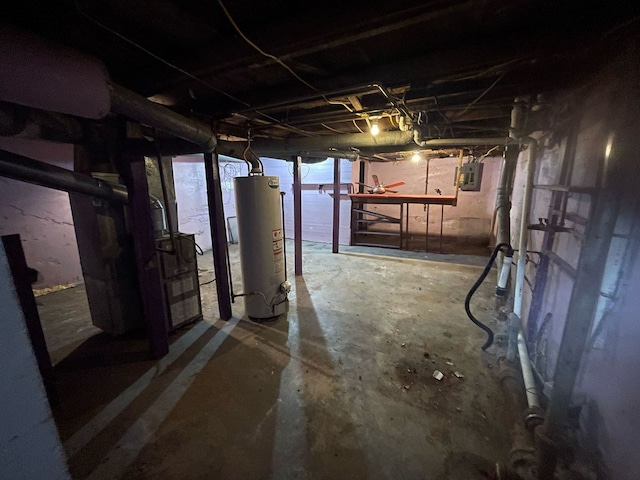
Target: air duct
x: 136, y: 107
x: 41, y: 74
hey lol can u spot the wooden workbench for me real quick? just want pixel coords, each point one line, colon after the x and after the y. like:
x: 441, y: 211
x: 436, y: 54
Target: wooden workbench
x: 361, y: 218
x: 398, y: 199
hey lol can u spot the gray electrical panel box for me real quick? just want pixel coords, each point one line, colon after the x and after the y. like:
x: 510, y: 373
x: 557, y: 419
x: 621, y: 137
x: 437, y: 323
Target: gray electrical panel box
x: 471, y: 176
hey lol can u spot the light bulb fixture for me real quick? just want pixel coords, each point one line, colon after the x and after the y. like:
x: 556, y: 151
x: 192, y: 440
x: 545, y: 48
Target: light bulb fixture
x: 416, y: 157
x: 375, y: 130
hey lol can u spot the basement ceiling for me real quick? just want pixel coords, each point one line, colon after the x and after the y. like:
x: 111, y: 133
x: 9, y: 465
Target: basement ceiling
x: 290, y: 69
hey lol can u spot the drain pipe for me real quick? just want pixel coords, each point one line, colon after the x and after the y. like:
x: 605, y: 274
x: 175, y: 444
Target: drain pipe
x: 525, y: 362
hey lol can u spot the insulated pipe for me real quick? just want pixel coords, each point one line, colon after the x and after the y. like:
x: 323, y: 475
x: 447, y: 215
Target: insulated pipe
x: 136, y: 107
x: 503, y: 197
x: 38, y: 73
x: 32, y: 171
x: 358, y: 140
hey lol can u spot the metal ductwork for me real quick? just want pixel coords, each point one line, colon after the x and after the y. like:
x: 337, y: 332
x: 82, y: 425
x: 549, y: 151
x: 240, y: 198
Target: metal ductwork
x: 36, y: 73
x: 136, y: 107
x: 321, y: 144
x: 384, y: 142
x: 33, y: 171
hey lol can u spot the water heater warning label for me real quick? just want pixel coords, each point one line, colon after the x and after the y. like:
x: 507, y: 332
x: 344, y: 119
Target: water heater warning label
x: 277, y: 234
x: 278, y: 265
x: 277, y: 247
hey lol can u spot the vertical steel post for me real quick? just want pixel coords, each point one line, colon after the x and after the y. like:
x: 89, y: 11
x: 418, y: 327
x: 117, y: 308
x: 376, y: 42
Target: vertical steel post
x: 297, y: 215
x: 361, y: 168
x: 134, y: 173
x: 336, y: 205
x: 218, y: 233
x: 426, y: 208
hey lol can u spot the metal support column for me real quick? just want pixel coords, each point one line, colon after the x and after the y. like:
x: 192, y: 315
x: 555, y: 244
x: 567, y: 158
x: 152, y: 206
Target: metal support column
x: 361, y: 173
x: 297, y: 215
x: 133, y: 170
x: 218, y: 233
x: 336, y: 205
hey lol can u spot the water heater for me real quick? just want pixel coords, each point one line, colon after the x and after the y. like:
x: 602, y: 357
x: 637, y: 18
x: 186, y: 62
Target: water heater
x: 261, y: 240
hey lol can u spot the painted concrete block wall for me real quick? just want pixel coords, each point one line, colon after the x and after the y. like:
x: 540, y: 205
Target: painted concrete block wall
x: 191, y: 193
x: 29, y: 444
x: 469, y: 222
x: 608, y: 386
x: 41, y: 216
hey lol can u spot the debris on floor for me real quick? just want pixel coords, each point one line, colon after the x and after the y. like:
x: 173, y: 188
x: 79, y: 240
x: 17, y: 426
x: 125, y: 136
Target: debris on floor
x: 438, y: 375
x: 458, y: 374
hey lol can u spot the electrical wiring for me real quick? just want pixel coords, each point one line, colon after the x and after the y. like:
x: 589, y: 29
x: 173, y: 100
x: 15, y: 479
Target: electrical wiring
x: 207, y: 283
x: 304, y: 175
x: 329, y: 128
x: 335, y: 102
x: 488, y: 153
x: 157, y: 57
x: 259, y: 50
x: 357, y: 126
x: 480, y: 96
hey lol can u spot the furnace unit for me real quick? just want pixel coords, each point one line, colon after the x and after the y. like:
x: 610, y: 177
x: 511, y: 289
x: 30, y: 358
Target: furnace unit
x: 179, y: 270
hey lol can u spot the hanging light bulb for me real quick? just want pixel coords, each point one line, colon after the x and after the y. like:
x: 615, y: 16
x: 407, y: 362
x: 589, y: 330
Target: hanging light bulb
x: 416, y: 157
x: 375, y: 130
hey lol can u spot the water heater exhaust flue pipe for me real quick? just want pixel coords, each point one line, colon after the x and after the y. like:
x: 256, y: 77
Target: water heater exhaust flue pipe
x: 261, y: 241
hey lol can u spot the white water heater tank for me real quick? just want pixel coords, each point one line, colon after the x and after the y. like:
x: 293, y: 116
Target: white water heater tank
x: 261, y: 242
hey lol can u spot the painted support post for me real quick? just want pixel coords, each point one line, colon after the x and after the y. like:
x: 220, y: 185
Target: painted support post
x: 336, y: 205
x: 134, y: 174
x: 297, y: 215
x: 218, y: 233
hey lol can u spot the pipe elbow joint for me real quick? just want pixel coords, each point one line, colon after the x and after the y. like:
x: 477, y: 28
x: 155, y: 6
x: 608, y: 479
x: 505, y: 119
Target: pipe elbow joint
x: 418, y: 137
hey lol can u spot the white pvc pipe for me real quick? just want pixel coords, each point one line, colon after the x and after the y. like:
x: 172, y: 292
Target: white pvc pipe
x: 525, y: 362
x: 527, y: 373
x: 524, y: 223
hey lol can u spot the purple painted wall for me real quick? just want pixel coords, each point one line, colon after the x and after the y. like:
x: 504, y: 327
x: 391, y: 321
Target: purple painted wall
x: 191, y: 194
x: 608, y: 386
x: 41, y: 216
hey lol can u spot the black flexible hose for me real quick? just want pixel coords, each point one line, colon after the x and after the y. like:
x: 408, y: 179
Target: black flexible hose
x: 485, y: 272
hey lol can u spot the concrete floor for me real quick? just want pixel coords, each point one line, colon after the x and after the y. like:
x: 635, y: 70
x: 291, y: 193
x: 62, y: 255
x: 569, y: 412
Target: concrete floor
x: 340, y: 388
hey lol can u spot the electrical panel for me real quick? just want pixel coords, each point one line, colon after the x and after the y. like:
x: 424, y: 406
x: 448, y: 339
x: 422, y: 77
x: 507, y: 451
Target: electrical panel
x: 471, y: 176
